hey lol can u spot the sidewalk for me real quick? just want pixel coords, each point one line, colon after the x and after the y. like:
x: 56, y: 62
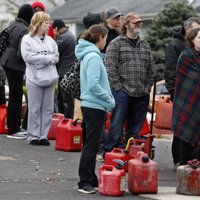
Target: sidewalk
x: 38, y: 172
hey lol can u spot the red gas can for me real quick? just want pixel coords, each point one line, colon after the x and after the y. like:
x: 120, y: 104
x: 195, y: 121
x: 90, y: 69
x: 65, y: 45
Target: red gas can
x: 57, y: 117
x: 188, y: 177
x: 118, y: 154
x: 112, y: 181
x: 69, y: 135
x: 135, y: 148
x: 3, y: 114
x: 142, y: 175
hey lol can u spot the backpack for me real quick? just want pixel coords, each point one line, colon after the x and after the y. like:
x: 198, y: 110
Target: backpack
x: 4, y: 40
x: 70, y: 82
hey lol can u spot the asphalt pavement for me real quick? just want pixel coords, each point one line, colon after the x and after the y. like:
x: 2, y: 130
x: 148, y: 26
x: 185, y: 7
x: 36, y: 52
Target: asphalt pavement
x: 41, y: 173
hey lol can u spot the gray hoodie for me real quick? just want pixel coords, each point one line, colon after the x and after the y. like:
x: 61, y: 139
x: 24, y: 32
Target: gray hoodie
x: 39, y: 54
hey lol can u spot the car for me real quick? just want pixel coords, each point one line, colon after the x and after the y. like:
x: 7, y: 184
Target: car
x: 161, y: 92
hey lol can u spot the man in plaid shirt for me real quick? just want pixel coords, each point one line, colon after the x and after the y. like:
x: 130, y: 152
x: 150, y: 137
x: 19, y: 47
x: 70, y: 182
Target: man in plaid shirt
x: 130, y: 67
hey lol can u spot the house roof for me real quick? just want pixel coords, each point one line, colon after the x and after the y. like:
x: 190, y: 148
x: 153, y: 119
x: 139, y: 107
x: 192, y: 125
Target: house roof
x: 74, y: 10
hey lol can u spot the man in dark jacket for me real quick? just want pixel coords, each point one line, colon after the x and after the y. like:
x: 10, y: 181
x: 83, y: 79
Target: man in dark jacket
x: 173, y: 52
x: 66, y: 44
x: 14, y: 67
x: 113, y: 20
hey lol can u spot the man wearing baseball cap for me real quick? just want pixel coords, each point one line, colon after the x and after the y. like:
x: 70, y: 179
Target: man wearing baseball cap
x: 113, y: 19
x: 130, y: 67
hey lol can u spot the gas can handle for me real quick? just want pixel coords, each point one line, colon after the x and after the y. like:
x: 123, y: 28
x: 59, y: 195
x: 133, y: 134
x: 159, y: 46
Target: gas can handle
x: 118, y: 150
x: 76, y: 121
x: 194, y: 163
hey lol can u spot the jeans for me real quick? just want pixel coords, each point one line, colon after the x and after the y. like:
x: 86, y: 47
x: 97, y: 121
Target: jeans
x: 133, y: 110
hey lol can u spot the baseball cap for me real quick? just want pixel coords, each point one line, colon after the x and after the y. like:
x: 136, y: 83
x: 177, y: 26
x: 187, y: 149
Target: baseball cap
x: 133, y: 17
x: 112, y: 13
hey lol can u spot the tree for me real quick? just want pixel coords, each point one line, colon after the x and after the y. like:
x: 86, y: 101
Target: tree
x: 159, y: 33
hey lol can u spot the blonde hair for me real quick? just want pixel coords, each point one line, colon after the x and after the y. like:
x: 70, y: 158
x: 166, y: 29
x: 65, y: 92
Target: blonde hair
x: 37, y: 20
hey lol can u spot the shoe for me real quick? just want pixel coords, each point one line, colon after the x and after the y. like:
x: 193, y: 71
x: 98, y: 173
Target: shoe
x: 35, y: 142
x: 44, y: 142
x: 17, y: 136
x: 87, y: 189
x: 100, y: 157
x: 22, y: 132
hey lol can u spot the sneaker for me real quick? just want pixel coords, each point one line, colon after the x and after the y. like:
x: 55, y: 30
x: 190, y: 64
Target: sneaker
x: 17, y: 136
x: 87, y: 189
x: 99, y: 157
x: 35, y: 142
x: 44, y: 142
x: 22, y: 132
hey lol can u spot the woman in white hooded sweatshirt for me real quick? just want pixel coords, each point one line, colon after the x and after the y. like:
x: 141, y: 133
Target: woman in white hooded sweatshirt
x: 40, y: 54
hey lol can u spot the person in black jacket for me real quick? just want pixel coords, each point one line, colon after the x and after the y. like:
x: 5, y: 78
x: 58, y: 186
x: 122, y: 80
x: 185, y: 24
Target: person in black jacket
x: 66, y: 45
x: 172, y: 54
x: 113, y: 20
x: 14, y: 67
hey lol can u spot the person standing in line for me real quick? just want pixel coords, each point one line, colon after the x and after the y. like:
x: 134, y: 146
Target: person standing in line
x: 186, y: 105
x: 96, y: 100
x: 66, y: 45
x: 38, y: 6
x: 89, y: 20
x: 130, y: 67
x: 14, y: 67
x: 172, y: 53
x: 40, y: 52
x: 113, y: 24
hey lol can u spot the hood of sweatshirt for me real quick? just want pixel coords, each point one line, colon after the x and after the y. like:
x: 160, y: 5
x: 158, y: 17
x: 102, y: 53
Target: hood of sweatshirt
x: 84, y: 47
x: 178, y: 32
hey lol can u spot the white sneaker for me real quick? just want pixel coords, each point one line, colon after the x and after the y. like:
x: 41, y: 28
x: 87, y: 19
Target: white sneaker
x: 17, y: 136
x: 22, y: 132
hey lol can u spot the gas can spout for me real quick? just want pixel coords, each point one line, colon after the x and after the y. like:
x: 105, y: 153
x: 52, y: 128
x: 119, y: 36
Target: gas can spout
x: 130, y: 140
x: 120, y: 163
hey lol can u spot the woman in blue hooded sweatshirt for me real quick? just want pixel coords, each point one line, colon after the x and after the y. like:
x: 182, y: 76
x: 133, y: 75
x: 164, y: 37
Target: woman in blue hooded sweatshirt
x: 96, y: 100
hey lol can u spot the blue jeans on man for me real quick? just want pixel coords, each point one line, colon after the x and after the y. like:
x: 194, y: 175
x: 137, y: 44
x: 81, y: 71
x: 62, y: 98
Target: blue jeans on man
x: 133, y: 110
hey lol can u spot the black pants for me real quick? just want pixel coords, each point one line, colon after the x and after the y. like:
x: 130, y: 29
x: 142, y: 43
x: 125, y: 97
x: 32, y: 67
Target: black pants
x: 15, y: 83
x: 175, y: 149
x: 65, y: 102
x: 94, y: 121
x: 186, y: 152
x: 2, y: 95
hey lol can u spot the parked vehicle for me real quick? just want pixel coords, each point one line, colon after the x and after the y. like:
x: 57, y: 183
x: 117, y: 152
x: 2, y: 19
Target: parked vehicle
x: 161, y: 92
